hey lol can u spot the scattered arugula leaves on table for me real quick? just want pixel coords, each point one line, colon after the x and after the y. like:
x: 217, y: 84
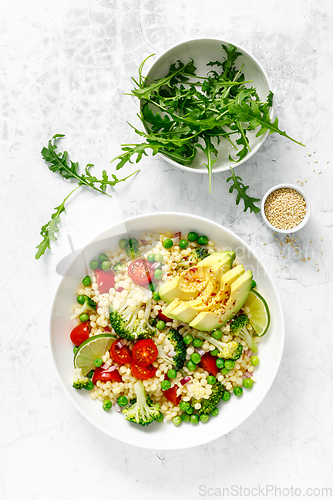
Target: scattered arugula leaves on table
x: 60, y: 163
x: 183, y: 112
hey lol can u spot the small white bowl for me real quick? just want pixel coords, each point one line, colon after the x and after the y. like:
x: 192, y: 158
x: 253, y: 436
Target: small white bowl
x: 203, y: 51
x: 295, y: 228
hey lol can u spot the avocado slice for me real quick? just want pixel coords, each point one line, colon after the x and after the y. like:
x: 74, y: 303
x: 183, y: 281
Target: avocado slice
x: 239, y: 292
x: 187, y: 311
x: 194, y: 280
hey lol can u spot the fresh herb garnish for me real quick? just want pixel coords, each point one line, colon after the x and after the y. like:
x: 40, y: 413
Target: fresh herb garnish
x: 183, y: 112
x: 59, y: 162
x: 249, y: 202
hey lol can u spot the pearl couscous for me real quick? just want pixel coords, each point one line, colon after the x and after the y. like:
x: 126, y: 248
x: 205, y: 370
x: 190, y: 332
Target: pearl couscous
x: 182, y: 375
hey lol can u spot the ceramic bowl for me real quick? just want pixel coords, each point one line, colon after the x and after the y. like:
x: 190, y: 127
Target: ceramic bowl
x: 203, y: 51
x: 166, y: 435
x: 295, y: 228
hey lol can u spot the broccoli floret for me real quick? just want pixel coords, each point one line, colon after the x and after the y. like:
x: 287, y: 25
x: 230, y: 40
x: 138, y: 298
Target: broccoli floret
x: 143, y: 411
x: 228, y: 350
x: 196, y: 256
x: 119, y: 267
x: 179, y: 348
x: 208, y: 405
x: 88, y: 305
x: 125, y: 321
x: 238, y: 327
x: 79, y: 381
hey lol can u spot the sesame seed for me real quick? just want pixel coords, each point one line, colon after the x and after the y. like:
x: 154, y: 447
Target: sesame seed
x: 316, y: 161
x: 319, y: 172
x: 285, y: 208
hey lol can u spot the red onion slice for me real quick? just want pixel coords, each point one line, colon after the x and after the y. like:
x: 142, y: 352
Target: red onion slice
x: 117, y: 408
x: 119, y: 344
x: 154, y: 265
x: 111, y: 368
x: 185, y: 380
x: 176, y: 238
x: 201, y: 351
x: 171, y: 354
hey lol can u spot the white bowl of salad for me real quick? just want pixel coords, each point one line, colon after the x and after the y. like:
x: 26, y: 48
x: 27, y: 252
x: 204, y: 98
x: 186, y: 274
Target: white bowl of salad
x: 167, y: 331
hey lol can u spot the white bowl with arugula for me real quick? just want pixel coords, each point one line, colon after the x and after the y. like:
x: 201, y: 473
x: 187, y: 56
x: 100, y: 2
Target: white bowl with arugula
x: 180, y: 423
x: 205, y: 105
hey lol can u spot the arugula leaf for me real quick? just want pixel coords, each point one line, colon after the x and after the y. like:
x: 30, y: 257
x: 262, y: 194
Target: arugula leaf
x: 249, y: 201
x: 60, y: 163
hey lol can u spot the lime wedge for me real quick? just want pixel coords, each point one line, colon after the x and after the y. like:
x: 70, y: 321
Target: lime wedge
x: 258, y: 312
x: 90, y: 349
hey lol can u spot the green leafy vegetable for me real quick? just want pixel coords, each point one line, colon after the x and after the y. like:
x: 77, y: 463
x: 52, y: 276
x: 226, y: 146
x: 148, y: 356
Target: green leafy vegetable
x: 249, y: 202
x: 183, y: 113
x: 59, y: 162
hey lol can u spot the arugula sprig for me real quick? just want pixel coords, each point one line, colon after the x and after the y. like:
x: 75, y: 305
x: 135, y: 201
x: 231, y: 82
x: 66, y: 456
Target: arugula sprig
x: 60, y: 163
x: 237, y: 184
x: 184, y: 112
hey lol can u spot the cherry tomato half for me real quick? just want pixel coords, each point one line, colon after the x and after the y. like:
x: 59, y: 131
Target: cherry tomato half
x: 142, y: 372
x: 171, y: 395
x: 105, y: 280
x: 144, y: 352
x: 120, y: 354
x: 208, y: 363
x: 106, y: 373
x: 80, y: 333
x: 140, y: 272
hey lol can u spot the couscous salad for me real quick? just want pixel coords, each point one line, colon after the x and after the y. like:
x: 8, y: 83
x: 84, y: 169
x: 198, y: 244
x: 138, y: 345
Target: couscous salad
x: 168, y: 327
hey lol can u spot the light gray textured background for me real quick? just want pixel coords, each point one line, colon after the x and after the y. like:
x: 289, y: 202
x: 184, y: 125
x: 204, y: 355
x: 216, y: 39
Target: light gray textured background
x: 64, y: 68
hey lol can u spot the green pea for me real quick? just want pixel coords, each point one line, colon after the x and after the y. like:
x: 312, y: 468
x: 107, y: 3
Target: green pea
x: 196, y: 358
x: 158, y: 273
x: 226, y: 396
x: 198, y: 343
x: 204, y: 418
x: 167, y: 243
x: 188, y: 339
x: 254, y: 284
x: 86, y: 281
x: 165, y: 385
x: 215, y: 352
x: 254, y: 360
x: 106, y: 265
x: 214, y: 412
x: 183, y: 244
x: 159, y: 257
x: 151, y: 258
x: 123, y: 243
x: 75, y: 349
x: 238, y: 391
x: 184, y: 405
x: 247, y: 383
x: 156, y: 295
x: 217, y: 334
x: 98, y: 362
x: 189, y: 411
x: 94, y: 264
x: 192, y: 236
x: 172, y: 373
x: 160, y: 325
x: 219, y: 363
x: 133, y: 242
x: 194, y: 419
x: 107, y: 405
x: 80, y: 299
x: 185, y: 417
x: 83, y: 317
x: 160, y: 417
x: 90, y: 374
x: 211, y: 380
x: 191, y: 366
x: 89, y: 386
x: 203, y: 240
x: 122, y: 401
x: 177, y: 420
x: 224, y: 371
x: 102, y: 257
x: 229, y: 364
